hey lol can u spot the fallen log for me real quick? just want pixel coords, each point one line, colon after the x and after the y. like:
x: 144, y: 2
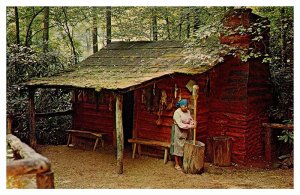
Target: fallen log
x: 30, y: 163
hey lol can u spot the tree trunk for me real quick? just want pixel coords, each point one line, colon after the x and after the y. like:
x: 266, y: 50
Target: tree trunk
x: 87, y: 39
x: 95, y: 31
x: 119, y: 133
x: 283, y: 37
x: 222, y: 150
x: 168, y: 28
x: 180, y: 27
x: 188, y: 25
x: 67, y: 30
x: 29, y: 31
x: 196, y: 20
x: 193, y: 157
x: 108, y: 25
x: 154, y: 26
x: 46, y: 29
x: 17, y: 26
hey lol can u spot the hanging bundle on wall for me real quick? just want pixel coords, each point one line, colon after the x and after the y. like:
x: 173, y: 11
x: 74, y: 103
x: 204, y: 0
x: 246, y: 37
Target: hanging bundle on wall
x: 170, y: 105
x: 154, y: 89
x: 163, y: 99
x: 159, y: 113
x: 143, y: 96
x: 156, y: 100
x: 148, y: 98
x: 190, y: 85
x: 175, y: 91
x: 179, y: 94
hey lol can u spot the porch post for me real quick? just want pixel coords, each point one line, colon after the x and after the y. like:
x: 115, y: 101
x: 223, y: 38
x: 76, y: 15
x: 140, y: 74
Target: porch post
x: 9, y: 124
x: 268, y: 144
x: 31, y: 107
x: 119, y: 133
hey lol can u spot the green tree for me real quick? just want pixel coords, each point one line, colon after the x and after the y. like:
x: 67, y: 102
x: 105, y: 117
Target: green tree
x: 281, y: 58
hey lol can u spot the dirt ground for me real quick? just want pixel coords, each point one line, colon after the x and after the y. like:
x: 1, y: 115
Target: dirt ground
x: 76, y: 168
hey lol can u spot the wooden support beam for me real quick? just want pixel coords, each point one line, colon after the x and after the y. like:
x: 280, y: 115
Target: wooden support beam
x: 119, y: 133
x: 278, y: 126
x: 269, y: 127
x: 75, y: 95
x: 268, y: 144
x: 97, y: 100
x: 51, y: 114
x: 31, y: 108
x: 9, y: 124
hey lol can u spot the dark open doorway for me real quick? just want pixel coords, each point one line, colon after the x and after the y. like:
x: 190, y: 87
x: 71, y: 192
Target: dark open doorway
x: 128, y: 102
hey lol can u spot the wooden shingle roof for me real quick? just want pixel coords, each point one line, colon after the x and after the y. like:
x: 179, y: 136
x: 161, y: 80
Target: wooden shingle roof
x: 122, y: 65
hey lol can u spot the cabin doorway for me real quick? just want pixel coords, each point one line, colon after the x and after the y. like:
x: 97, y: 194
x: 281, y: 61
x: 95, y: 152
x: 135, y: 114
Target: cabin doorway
x: 128, y: 102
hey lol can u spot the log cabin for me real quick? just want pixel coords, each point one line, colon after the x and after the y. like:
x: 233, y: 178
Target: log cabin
x: 129, y: 90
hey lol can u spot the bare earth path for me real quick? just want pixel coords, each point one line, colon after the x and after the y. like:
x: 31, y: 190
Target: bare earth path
x: 77, y: 168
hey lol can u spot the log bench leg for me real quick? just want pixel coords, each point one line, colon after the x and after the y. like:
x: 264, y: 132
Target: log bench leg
x: 96, y: 143
x: 139, y: 150
x: 69, y: 139
x: 166, y: 156
x: 102, y: 142
x: 134, y: 149
x: 268, y: 146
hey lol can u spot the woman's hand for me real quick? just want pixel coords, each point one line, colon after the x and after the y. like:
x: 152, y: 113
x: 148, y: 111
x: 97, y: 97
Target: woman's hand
x: 192, y: 122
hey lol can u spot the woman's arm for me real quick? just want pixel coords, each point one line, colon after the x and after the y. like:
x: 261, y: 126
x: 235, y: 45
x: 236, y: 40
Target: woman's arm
x: 178, y: 121
x: 191, y: 122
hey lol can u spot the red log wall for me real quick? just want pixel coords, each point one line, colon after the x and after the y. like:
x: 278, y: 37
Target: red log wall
x: 259, y: 98
x: 145, y: 122
x: 234, y: 105
x: 88, y: 117
x: 228, y: 104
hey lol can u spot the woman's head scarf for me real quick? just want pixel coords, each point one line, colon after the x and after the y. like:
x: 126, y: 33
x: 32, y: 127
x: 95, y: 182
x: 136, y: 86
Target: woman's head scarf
x: 182, y: 102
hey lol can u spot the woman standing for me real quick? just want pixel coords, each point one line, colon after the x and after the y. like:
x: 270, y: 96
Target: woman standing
x: 183, y: 121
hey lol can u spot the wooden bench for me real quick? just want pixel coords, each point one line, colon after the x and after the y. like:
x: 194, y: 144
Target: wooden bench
x: 97, y: 135
x: 147, y: 142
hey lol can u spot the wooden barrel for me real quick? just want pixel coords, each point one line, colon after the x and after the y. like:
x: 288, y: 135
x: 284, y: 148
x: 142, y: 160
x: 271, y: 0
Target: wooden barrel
x: 193, y: 157
x: 222, y: 150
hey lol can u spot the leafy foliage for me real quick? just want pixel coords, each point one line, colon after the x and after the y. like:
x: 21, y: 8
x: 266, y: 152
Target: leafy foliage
x: 286, y: 137
x: 23, y: 64
x: 281, y: 60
